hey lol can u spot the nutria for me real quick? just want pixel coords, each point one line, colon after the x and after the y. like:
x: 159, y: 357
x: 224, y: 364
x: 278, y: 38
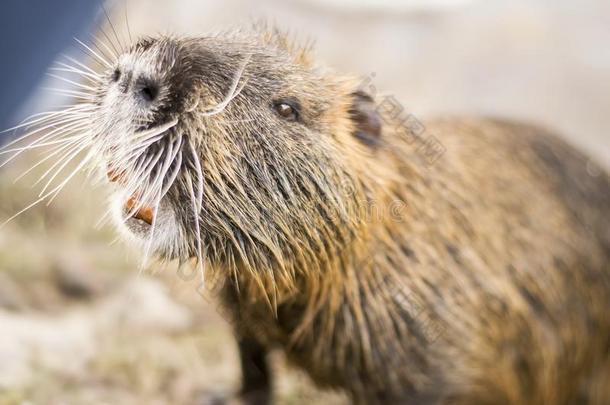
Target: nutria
x: 482, y: 277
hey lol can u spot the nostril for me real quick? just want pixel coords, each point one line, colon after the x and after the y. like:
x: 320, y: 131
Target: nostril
x: 116, y: 75
x: 149, y: 92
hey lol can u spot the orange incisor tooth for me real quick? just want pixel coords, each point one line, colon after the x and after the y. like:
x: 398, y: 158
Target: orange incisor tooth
x: 144, y: 213
x: 114, y: 176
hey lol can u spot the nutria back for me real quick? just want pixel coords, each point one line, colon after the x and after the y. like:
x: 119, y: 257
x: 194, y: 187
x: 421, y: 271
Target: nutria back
x: 479, y: 276
x: 490, y: 287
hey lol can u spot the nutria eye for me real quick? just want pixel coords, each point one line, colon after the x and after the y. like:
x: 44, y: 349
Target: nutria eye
x: 287, y: 110
x: 116, y: 75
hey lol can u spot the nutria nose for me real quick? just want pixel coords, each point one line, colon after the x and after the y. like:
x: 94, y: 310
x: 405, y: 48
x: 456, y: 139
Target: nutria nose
x: 143, y: 88
x: 146, y: 89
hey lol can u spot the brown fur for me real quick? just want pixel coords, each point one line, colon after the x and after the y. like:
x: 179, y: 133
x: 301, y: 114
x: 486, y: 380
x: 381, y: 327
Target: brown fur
x: 497, y: 256
x: 481, y: 279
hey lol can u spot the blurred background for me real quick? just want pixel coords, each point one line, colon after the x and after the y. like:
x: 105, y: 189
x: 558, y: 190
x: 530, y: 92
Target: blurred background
x: 82, y: 323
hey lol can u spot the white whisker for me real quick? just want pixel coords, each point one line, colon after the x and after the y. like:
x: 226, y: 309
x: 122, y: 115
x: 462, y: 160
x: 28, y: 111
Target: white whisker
x: 55, y: 133
x: 47, y: 157
x: 72, y: 155
x: 178, y: 163
x: 68, y: 92
x: 79, y: 85
x: 87, y: 68
x: 42, y: 198
x: 74, y: 172
x: 156, y: 130
x: 40, y: 145
x: 114, y: 53
x: 70, y: 69
x: 173, y: 175
x: 101, y: 59
x: 197, y: 206
x: 46, y: 116
x: 233, y: 91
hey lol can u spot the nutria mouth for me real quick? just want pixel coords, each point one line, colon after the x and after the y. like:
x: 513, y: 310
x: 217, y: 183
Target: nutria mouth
x: 143, y: 213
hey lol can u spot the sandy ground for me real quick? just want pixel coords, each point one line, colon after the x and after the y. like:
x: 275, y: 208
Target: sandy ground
x: 80, y: 324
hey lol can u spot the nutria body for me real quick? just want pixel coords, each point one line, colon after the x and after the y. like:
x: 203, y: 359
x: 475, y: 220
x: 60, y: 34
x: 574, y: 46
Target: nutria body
x: 482, y: 278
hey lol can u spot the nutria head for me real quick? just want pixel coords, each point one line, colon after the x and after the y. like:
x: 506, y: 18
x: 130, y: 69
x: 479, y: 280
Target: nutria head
x: 234, y: 149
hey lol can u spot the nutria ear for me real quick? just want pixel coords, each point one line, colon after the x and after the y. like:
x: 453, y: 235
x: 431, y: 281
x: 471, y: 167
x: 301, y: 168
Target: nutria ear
x: 364, y: 114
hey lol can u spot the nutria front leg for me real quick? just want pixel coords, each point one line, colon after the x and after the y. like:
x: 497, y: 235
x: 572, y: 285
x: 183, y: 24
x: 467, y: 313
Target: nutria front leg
x: 256, y: 377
